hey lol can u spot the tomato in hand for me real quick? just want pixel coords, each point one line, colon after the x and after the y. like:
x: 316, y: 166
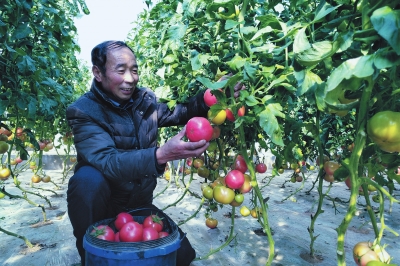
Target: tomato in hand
x: 153, y: 221
x: 234, y: 179
x: 150, y: 233
x: 131, y: 232
x: 122, y: 218
x: 103, y: 232
x: 198, y: 128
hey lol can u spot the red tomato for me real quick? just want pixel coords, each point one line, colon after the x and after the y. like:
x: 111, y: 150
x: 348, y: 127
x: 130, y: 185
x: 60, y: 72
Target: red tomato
x: 246, y: 187
x: 261, y: 168
x: 234, y: 179
x: 209, y: 98
x: 153, y: 221
x: 116, y: 237
x: 150, y: 233
x: 223, y: 195
x: 241, y: 111
x: 240, y: 164
x: 198, y: 128
x: 211, y: 223
x: 162, y: 234
x: 122, y: 218
x: 131, y: 232
x: 103, y: 232
x: 189, y: 161
x: 18, y: 160
x: 229, y: 115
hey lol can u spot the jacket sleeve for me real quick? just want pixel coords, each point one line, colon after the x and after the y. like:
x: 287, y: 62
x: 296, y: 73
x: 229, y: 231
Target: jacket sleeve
x: 181, y: 113
x: 96, y: 147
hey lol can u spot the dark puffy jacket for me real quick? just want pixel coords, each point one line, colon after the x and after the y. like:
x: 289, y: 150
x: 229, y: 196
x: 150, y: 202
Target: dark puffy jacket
x: 121, y: 141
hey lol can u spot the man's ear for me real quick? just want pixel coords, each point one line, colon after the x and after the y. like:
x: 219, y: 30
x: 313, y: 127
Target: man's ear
x: 97, y: 73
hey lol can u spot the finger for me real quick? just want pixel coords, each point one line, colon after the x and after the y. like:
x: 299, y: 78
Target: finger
x: 197, y: 145
x: 181, y: 133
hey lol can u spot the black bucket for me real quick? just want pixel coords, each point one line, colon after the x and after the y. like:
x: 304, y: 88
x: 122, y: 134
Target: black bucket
x: 160, y: 251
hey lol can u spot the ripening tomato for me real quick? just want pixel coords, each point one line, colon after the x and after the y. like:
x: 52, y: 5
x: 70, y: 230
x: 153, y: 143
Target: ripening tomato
x: 330, y: 167
x: 36, y: 179
x: 218, y: 119
x: 329, y: 178
x: 223, y: 195
x: 363, y: 253
x: 241, y: 111
x: 229, y: 115
x: 246, y: 187
x: 46, y: 179
x: 209, y: 98
x: 153, y: 221
x: 122, y: 219
x: 240, y: 164
x: 244, y: 211
x: 211, y: 222
x: 150, y: 233
x: 4, y: 173
x: 234, y: 179
x: 131, y: 232
x: 197, y: 163
x: 103, y: 232
x: 198, y: 128
x: 261, y: 168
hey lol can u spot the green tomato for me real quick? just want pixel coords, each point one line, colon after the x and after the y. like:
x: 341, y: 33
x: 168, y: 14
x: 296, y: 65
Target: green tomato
x: 223, y: 195
x: 208, y: 193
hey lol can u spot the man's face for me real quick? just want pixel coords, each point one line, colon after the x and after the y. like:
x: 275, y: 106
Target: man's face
x: 121, y: 76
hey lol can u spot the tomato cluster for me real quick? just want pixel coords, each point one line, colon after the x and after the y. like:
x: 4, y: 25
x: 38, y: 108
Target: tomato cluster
x: 129, y: 230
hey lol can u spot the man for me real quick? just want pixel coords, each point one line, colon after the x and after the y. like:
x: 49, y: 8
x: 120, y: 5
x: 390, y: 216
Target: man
x: 115, y: 127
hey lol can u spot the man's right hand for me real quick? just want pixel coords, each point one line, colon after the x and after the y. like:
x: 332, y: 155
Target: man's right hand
x: 176, y: 148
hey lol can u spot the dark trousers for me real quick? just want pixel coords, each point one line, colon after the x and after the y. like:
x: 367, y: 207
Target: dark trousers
x: 89, y: 201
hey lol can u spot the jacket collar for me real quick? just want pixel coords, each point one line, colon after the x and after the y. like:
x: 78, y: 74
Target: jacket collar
x: 97, y: 90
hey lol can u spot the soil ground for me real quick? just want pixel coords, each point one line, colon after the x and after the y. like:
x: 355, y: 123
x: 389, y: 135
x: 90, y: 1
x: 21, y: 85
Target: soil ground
x: 289, y: 217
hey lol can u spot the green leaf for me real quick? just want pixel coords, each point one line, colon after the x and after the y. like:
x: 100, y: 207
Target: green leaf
x: 316, y: 53
x: 361, y: 67
x: 310, y: 81
x: 212, y: 85
x: 269, y: 122
x: 22, y: 31
x: 387, y: 23
x: 323, y: 10
x: 26, y: 65
x: 251, y: 101
x: 262, y: 31
x: 301, y: 42
x: 169, y: 59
